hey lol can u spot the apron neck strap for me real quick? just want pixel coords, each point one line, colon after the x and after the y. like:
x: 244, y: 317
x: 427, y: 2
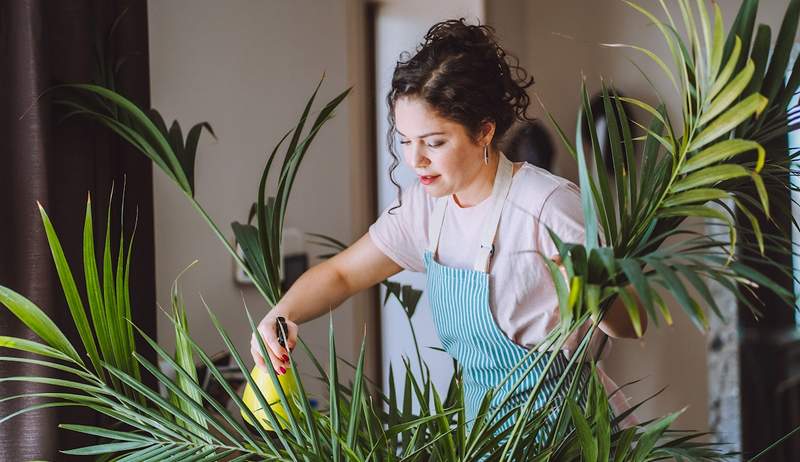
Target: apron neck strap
x: 502, y: 184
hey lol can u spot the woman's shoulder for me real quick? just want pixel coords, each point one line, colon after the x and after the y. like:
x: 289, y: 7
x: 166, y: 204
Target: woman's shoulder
x: 534, y: 186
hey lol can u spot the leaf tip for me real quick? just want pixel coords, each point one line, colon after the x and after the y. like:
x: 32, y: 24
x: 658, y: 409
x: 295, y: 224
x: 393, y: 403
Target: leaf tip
x: 763, y: 101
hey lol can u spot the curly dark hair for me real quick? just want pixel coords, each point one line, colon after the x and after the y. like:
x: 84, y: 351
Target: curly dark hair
x: 465, y: 76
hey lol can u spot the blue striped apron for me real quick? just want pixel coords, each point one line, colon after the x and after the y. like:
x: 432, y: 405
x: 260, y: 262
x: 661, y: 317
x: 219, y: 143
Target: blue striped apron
x: 459, y: 301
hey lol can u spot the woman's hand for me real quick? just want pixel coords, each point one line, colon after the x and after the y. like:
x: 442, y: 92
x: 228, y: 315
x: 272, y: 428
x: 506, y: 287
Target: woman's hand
x: 616, y: 322
x: 320, y: 289
x: 278, y: 354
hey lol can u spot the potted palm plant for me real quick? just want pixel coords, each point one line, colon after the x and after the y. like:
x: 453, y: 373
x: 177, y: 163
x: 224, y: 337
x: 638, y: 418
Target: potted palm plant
x: 732, y: 105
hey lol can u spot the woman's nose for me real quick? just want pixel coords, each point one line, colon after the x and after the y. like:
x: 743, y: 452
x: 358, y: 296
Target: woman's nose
x: 418, y: 158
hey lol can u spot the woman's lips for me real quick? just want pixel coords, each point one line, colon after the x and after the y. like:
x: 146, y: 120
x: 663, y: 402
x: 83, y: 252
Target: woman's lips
x: 428, y: 179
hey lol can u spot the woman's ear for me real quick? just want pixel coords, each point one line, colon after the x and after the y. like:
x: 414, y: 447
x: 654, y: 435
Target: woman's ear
x: 486, y: 133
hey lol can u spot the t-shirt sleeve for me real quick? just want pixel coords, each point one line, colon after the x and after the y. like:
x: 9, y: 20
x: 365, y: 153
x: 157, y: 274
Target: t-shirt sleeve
x: 563, y: 214
x: 402, y: 234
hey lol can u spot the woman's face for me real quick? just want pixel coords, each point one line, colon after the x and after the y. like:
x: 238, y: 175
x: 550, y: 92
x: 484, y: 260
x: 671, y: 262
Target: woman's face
x: 441, y: 152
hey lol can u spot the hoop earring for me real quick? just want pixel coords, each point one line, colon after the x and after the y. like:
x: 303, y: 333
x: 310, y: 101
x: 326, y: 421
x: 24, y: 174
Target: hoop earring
x: 486, y: 154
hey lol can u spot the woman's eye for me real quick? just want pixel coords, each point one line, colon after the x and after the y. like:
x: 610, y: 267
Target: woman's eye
x: 435, y: 144
x: 405, y: 142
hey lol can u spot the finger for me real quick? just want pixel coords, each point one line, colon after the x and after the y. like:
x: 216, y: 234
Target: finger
x: 277, y: 364
x: 258, y: 358
x: 291, y: 335
x: 255, y: 351
x: 275, y: 349
x: 557, y: 259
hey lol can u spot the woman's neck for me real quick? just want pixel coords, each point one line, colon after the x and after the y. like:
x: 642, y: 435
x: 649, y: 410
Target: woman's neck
x: 481, y: 187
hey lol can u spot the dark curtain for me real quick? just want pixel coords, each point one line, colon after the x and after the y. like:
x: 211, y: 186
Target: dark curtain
x: 770, y: 346
x: 44, y: 43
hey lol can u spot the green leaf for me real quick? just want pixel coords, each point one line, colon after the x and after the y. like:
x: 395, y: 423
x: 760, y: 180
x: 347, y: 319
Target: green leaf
x: 93, y: 292
x: 790, y: 89
x: 104, y: 432
x: 333, y: 387
x: 575, y: 292
x: 651, y: 435
x: 759, y: 54
x: 410, y: 299
x: 587, y: 442
x: 197, y: 430
x: 587, y: 201
x: 355, y: 397
x: 779, y: 61
x: 127, y: 133
x: 30, y: 346
x: 758, y: 278
x: 717, y: 44
x: 193, y: 414
x: 187, y: 383
x: 124, y: 325
x: 649, y: 157
x: 705, y: 22
x: 560, y: 286
x: 295, y: 155
x: 654, y: 57
x: 630, y: 157
x: 633, y: 310
x: 701, y: 287
x: 694, y: 196
x: 175, y: 138
x: 150, y: 129
x: 269, y: 238
x: 727, y: 71
x: 247, y: 237
x: 728, y: 95
x: 268, y: 412
x: 621, y: 168
x: 678, y: 290
x: 37, y: 321
x: 635, y: 275
x: 724, y: 150
x: 624, y: 444
x: 709, y: 176
x: 730, y: 119
x: 703, y: 212
x: 742, y: 29
x: 762, y: 192
x: 223, y: 383
x: 70, y: 292
x: 665, y: 313
x: 163, y: 355
x: 602, y: 417
x: 108, y: 448
x: 658, y: 118
x: 287, y: 401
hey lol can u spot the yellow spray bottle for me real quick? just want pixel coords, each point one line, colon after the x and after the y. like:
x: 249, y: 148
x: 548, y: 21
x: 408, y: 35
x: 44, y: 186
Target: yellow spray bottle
x: 265, y: 384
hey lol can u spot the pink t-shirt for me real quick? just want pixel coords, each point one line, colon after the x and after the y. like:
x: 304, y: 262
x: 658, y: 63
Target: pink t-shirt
x: 522, y: 296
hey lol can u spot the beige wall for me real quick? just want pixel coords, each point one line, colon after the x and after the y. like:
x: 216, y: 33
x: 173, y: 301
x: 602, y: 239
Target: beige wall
x: 247, y: 67
x: 558, y: 42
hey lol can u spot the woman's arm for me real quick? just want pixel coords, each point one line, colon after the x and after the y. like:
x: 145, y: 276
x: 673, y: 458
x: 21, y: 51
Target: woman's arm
x: 320, y: 289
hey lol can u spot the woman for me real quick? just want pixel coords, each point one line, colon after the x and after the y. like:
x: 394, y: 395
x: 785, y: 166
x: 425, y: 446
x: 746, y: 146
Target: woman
x: 473, y: 222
